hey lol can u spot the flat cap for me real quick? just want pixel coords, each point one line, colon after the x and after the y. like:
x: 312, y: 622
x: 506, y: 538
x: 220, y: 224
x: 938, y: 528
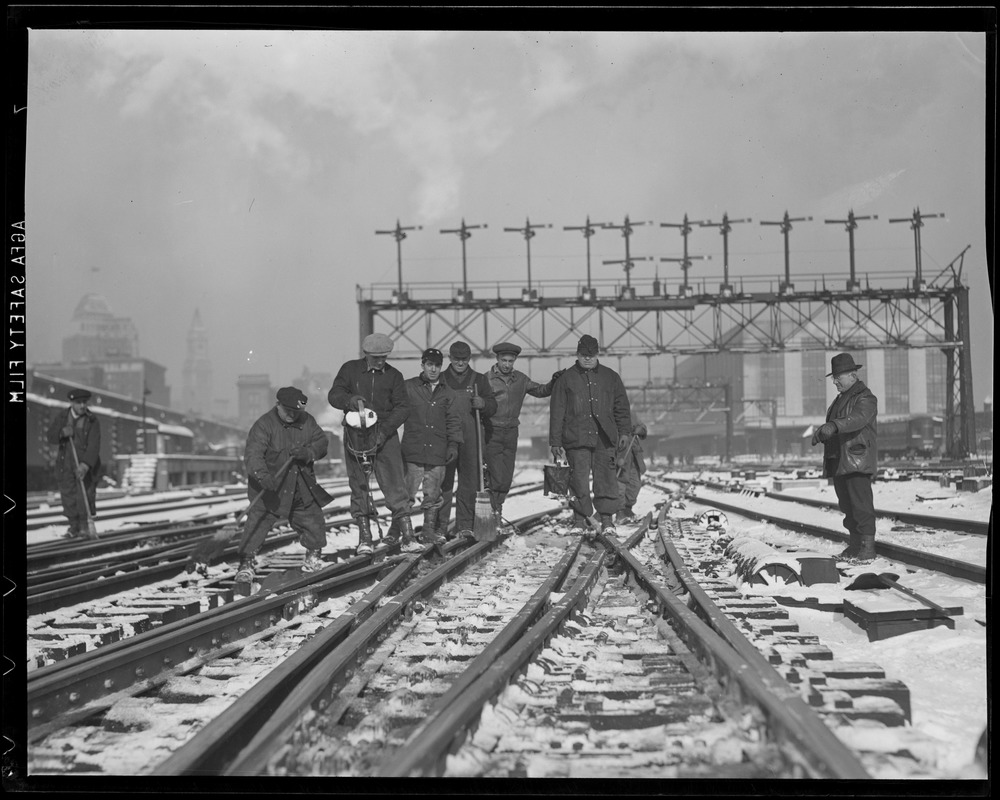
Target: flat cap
x: 79, y: 394
x: 587, y: 346
x: 460, y: 350
x: 433, y: 355
x: 506, y: 347
x: 376, y: 344
x: 291, y: 397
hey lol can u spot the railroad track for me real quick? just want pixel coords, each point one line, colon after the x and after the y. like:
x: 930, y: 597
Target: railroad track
x: 565, y: 660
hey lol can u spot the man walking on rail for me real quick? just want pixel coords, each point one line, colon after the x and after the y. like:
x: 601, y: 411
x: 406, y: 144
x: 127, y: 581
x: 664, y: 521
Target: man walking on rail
x: 472, y: 393
x: 369, y: 383
x: 850, y: 455
x: 590, y: 422
x: 77, y: 427
x: 431, y: 438
x: 509, y: 388
x: 630, y: 467
x: 281, y: 448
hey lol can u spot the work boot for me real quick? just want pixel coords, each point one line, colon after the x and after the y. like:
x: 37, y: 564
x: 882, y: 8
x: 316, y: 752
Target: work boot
x: 409, y: 543
x: 430, y: 533
x: 626, y: 516
x: 853, y: 546
x: 364, y: 537
x: 607, y: 524
x: 245, y: 573
x: 392, y: 535
x: 313, y: 561
x: 866, y: 553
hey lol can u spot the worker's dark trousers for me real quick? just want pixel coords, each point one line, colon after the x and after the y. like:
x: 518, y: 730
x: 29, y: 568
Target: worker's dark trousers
x: 629, y: 483
x: 72, y: 501
x: 854, y: 494
x: 599, y: 461
x: 501, y: 451
x: 388, y: 469
x: 464, y: 469
x: 305, y: 517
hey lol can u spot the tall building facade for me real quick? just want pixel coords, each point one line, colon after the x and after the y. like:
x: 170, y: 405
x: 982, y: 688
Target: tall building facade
x: 196, y: 379
x: 255, y: 395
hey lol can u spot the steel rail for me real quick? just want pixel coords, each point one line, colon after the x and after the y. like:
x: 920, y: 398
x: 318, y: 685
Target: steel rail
x: 904, y: 555
x: 69, y: 685
x: 971, y: 526
x: 737, y: 663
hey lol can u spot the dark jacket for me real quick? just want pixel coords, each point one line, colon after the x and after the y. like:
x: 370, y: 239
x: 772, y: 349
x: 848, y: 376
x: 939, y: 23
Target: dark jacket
x: 509, y: 392
x: 383, y: 391
x: 86, y: 439
x: 854, y: 448
x: 432, y: 426
x: 463, y: 386
x: 585, y: 400
x: 268, y: 445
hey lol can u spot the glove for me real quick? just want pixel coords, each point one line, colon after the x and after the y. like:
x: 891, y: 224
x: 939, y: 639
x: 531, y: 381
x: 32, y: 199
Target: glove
x: 66, y: 432
x: 826, y: 432
x: 268, y: 482
x: 558, y: 454
x: 623, y: 443
x: 640, y: 431
x: 452, y: 454
x: 352, y: 403
x: 478, y: 403
x: 82, y: 470
x: 301, y: 453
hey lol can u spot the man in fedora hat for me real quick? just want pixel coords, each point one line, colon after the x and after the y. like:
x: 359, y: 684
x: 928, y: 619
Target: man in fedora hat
x: 850, y: 454
x: 285, y: 432
x: 78, y: 424
x: 378, y: 387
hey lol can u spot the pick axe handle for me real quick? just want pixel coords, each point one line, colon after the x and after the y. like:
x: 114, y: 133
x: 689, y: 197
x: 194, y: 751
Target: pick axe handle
x: 913, y: 594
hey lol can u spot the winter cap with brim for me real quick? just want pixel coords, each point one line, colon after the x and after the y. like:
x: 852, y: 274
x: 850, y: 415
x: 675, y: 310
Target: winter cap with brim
x: 460, y: 350
x: 841, y: 363
x: 79, y: 394
x: 506, y: 347
x: 587, y: 346
x: 376, y: 344
x: 291, y: 398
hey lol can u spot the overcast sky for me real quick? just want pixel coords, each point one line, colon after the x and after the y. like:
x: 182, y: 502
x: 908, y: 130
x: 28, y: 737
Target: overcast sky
x: 245, y: 173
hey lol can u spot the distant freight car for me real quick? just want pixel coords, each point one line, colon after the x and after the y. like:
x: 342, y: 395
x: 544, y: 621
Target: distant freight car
x: 917, y: 436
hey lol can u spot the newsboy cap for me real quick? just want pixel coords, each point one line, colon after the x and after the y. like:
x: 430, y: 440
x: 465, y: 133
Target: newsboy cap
x: 460, y: 350
x: 433, y: 355
x: 587, y: 346
x: 841, y: 363
x: 376, y: 344
x: 506, y: 347
x: 291, y: 397
x: 79, y: 394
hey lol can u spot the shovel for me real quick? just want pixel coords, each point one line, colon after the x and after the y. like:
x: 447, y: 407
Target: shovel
x: 91, y: 526
x: 209, y: 551
x: 887, y: 580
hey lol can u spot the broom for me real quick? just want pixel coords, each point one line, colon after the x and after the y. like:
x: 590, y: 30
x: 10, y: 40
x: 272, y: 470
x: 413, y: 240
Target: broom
x: 209, y: 551
x: 484, y: 527
x: 91, y: 527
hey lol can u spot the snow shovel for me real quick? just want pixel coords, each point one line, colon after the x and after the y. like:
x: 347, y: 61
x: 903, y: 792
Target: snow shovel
x: 211, y: 549
x: 484, y: 525
x: 91, y: 527
x: 887, y: 580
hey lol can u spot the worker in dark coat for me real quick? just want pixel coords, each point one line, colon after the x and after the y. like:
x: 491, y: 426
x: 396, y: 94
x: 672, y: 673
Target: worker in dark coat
x: 371, y: 383
x: 472, y: 393
x: 630, y: 467
x: 589, y: 421
x: 431, y: 438
x: 850, y: 454
x: 509, y: 388
x: 77, y: 424
x: 285, y: 433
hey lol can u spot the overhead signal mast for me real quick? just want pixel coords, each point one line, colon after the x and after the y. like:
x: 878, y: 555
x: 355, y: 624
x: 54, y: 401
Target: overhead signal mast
x: 685, y: 262
x: 626, y: 228
x: 786, y: 225
x: 399, y: 232
x: 853, y: 285
x: 528, y: 231
x: 724, y: 228
x: 589, y: 229
x: 917, y: 222
x: 463, y: 233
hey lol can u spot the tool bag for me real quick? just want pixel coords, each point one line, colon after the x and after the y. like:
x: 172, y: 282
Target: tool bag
x: 556, y: 479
